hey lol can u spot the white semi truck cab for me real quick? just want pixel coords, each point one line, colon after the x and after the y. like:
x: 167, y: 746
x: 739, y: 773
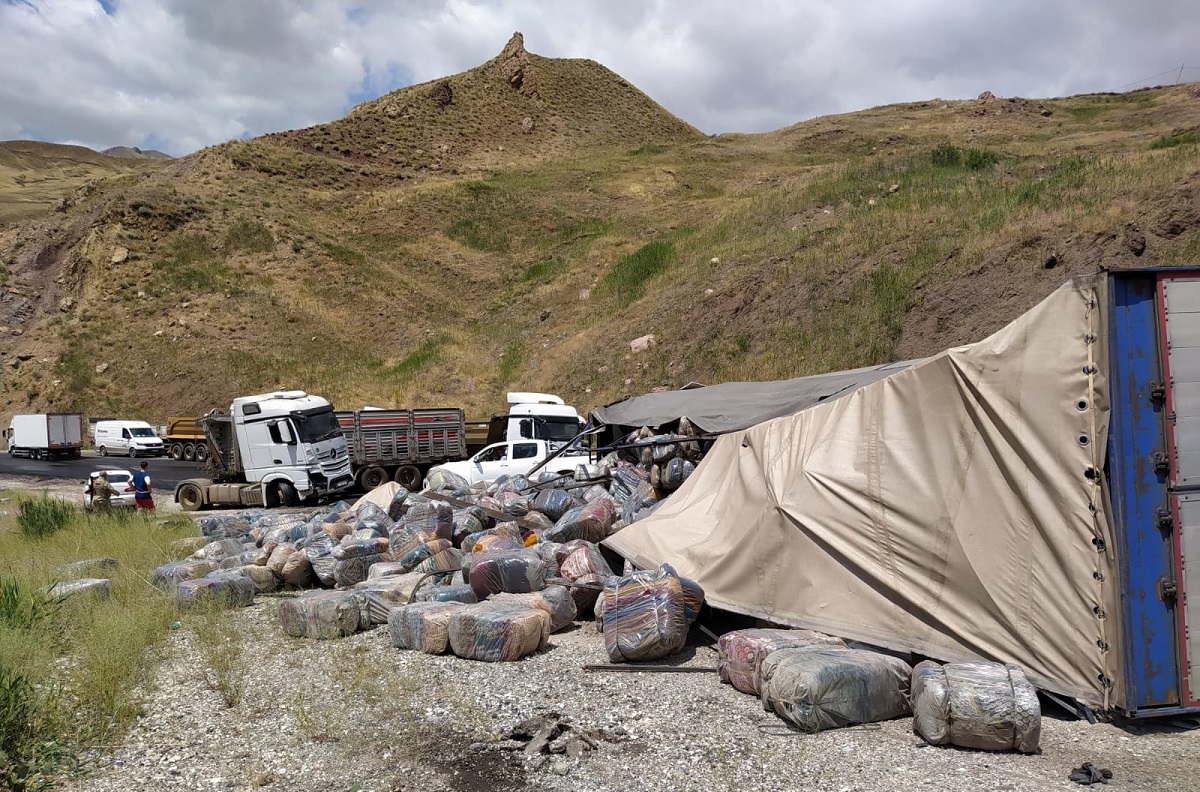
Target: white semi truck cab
x: 274, y: 449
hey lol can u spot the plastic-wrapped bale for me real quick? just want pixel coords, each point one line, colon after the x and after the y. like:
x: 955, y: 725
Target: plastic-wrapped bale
x: 351, y: 548
x: 498, y: 632
x: 675, y: 473
x: 595, y: 492
x: 590, y: 522
x: 625, y: 482
x: 537, y: 522
x: 515, y: 572
x: 449, y: 561
x: 468, y: 521
x: 381, y: 595
x: 97, y: 587
x: 693, y: 599
x: 423, y: 626
x: 440, y: 479
x: 421, y: 547
x: 386, y: 569
x: 399, y: 505
x: 455, y: 592
x: 370, y: 515
x: 298, y: 570
x: 239, y: 560
x: 585, y: 566
x: 494, y: 541
x: 740, y: 653
x: 644, y: 616
x: 516, y: 505
x: 219, y: 550
x: 553, y: 503
x: 431, y: 518
x: 227, y: 588
x: 339, y: 529
x: 349, y: 571
x: 264, y: 580
x: 642, y: 497
x: 322, y: 614
x: 555, y: 600
x: 174, y: 573
x: 287, y: 533
x: 827, y: 687
x: 564, y: 550
x: 986, y: 706
x: 222, y: 526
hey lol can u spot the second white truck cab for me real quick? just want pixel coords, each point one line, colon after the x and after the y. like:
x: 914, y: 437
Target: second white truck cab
x: 127, y: 438
x: 511, y: 458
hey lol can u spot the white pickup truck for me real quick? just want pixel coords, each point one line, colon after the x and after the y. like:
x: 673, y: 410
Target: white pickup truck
x: 511, y: 458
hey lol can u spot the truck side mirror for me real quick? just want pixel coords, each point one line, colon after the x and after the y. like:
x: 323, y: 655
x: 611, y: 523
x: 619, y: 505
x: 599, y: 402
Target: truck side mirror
x: 284, y: 430
x: 525, y: 427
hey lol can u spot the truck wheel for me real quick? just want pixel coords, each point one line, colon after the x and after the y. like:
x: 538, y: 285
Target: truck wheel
x: 409, y: 477
x: 176, y: 451
x: 189, y: 452
x: 103, y: 451
x: 373, y: 476
x: 287, y: 494
x: 201, y: 453
x: 132, y: 452
x: 190, y: 497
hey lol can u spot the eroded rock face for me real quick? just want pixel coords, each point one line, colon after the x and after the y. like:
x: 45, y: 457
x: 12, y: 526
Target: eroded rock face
x: 515, y: 66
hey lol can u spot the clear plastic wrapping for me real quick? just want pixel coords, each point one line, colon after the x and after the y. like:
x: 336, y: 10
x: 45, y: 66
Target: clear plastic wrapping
x: 322, y: 614
x: 555, y: 600
x: 170, y: 575
x: 349, y: 571
x: 352, y: 548
x: 227, y: 588
x: 514, y: 571
x: 585, y: 566
x: 263, y: 579
x: 553, y: 503
x: 740, y: 654
x: 381, y: 595
x: 987, y: 706
x: 442, y: 479
x: 827, y: 687
x: 590, y: 522
x: 432, y: 518
x: 423, y: 626
x: 498, y: 632
x: 455, y: 592
x: 643, y: 615
x: 448, y: 561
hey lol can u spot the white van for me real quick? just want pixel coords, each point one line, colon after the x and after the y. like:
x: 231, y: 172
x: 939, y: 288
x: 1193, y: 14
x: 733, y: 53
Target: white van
x: 127, y: 438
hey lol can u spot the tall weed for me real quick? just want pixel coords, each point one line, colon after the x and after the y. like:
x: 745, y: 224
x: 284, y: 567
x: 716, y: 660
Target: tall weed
x: 41, y: 517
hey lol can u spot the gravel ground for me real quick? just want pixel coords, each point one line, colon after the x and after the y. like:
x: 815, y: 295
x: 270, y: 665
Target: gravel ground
x: 358, y: 714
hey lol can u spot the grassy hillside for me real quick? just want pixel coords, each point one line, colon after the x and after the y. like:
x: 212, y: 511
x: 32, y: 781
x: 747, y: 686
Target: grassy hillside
x: 516, y: 229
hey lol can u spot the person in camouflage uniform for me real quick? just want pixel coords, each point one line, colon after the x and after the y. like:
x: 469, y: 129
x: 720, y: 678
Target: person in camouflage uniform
x: 102, y: 493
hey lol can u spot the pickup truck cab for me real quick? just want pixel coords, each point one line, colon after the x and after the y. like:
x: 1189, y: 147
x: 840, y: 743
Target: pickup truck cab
x: 511, y: 458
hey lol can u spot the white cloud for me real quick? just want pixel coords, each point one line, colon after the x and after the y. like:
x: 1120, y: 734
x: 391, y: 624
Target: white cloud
x: 179, y: 74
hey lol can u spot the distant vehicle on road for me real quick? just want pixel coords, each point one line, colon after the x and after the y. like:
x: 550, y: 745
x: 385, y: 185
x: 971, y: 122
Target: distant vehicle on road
x: 45, y: 435
x: 127, y: 438
x: 185, y: 439
x: 514, y: 458
x: 121, y: 481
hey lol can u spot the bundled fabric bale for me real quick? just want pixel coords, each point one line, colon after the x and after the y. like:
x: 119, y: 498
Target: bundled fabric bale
x: 369, y: 515
x: 224, y: 526
x: 351, y: 548
x: 169, y: 575
x: 643, y: 615
x: 228, y: 588
x: 241, y: 559
x: 449, y: 561
x: 286, y: 533
x: 553, y: 503
x: 349, y: 571
x: 516, y: 505
x: 594, y: 493
x: 381, y: 595
x: 693, y: 599
x: 468, y: 521
x: 495, y: 541
x: 219, y: 550
x: 298, y: 570
x: 590, y: 522
x: 456, y: 592
x: 423, y: 626
x: 97, y: 587
x: 412, y: 553
x: 638, y: 500
x: 740, y: 654
x: 555, y: 600
x: 563, y: 551
x: 337, y: 528
x: 827, y: 687
x: 586, y: 567
x: 264, y: 580
x: 440, y: 479
x: 986, y: 706
x: 399, y: 505
x: 386, y: 569
x: 510, y: 571
x: 675, y: 473
x: 322, y: 614
x: 625, y: 482
x: 324, y: 567
x: 498, y: 632
x: 431, y: 518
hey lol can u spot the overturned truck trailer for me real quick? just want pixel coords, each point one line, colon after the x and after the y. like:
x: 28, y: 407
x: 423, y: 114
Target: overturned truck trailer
x: 1032, y: 498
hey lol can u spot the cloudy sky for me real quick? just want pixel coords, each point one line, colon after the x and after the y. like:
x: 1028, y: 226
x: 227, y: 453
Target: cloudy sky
x: 178, y: 75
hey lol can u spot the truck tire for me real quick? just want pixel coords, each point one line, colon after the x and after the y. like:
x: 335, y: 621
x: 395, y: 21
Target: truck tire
x: 409, y: 477
x: 132, y: 452
x: 176, y: 451
x: 103, y: 451
x: 287, y: 494
x: 189, y: 451
x: 201, y: 453
x: 190, y: 497
x: 372, y: 477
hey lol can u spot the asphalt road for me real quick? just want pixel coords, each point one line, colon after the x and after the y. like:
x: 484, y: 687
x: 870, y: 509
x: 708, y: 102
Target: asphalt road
x: 165, y: 473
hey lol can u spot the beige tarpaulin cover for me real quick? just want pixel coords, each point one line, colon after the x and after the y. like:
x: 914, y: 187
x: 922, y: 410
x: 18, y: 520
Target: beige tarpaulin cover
x: 950, y: 509
x: 381, y: 496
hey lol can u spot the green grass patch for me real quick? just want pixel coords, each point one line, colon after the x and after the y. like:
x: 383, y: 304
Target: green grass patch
x: 544, y: 270
x: 511, y: 361
x: 1179, y: 139
x: 627, y: 279
x: 193, y: 268
x: 250, y: 236
x: 40, y: 517
x: 478, y: 233
x: 343, y: 255
x: 647, y: 150
x: 412, y: 363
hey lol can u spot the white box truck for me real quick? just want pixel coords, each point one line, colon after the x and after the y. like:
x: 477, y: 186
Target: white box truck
x: 274, y: 449
x: 45, y: 435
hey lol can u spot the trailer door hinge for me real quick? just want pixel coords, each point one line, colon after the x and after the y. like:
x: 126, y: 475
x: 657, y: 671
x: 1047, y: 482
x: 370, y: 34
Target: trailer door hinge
x: 1162, y: 465
x: 1164, y: 520
x: 1167, y: 590
x: 1158, y: 393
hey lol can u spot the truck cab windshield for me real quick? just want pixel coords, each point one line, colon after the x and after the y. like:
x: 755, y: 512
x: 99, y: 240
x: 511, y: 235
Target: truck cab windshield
x: 142, y: 431
x: 315, y: 426
x: 556, y: 430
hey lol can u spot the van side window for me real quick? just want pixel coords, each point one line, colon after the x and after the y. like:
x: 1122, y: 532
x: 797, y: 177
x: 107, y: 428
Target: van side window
x: 524, y: 450
x: 124, y: 434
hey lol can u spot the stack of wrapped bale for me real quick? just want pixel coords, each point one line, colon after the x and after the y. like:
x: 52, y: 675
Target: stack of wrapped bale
x: 824, y: 687
x: 223, y: 587
x: 555, y: 600
x: 498, y: 632
x: 987, y: 706
x: 324, y: 614
x: 423, y: 626
x: 512, y: 571
x: 582, y: 563
x: 643, y: 615
x: 740, y: 654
